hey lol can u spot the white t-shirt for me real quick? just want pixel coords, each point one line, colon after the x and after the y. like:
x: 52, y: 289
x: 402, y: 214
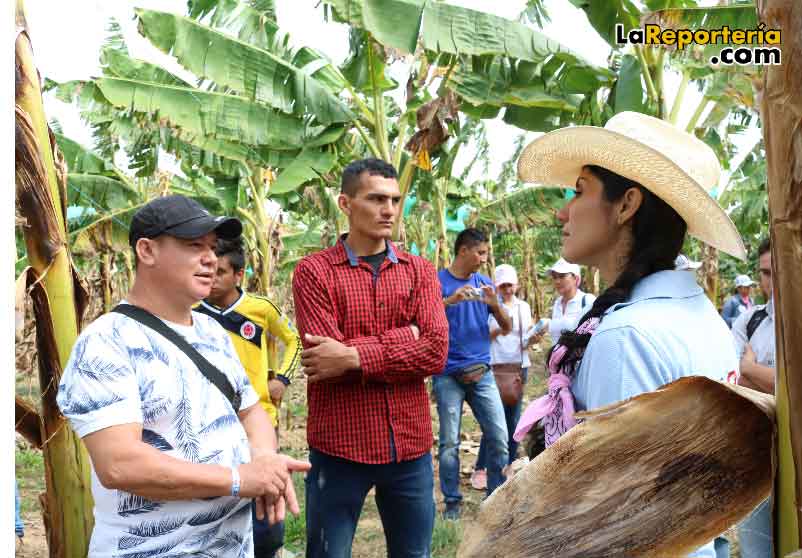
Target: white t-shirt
x: 507, y: 348
x: 569, y: 319
x: 123, y: 372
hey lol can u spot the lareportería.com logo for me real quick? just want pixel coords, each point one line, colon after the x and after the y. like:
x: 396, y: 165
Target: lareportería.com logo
x: 748, y: 43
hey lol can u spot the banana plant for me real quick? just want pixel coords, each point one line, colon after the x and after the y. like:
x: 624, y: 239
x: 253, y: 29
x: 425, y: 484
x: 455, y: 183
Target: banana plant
x: 293, y: 107
x: 58, y: 301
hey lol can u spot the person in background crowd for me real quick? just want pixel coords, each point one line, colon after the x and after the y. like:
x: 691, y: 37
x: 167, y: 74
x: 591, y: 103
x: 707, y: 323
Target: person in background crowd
x: 739, y: 302
x: 179, y: 445
x: 373, y: 328
x: 507, y: 349
x: 653, y: 324
x: 755, y: 344
x: 470, y: 300
x: 754, y: 332
x: 571, y: 303
x: 250, y: 321
x: 683, y: 263
x: 19, y: 527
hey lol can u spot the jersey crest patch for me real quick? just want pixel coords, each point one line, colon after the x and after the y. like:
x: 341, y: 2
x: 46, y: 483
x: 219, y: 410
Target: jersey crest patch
x: 247, y: 330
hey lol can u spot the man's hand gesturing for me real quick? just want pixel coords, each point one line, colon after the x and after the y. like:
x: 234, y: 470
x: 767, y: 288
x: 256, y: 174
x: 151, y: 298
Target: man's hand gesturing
x: 267, y: 480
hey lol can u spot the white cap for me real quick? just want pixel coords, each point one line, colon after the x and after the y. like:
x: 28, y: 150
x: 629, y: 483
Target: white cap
x: 743, y: 281
x: 562, y: 266
x: 505, y: 273
x: 682, y: 263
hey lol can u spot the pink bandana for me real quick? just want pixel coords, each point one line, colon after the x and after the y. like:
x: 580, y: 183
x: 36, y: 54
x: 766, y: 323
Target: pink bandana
x: 556, y: 408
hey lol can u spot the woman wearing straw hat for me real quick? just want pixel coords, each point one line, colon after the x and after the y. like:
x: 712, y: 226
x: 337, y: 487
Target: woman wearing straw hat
x: 641, y: 185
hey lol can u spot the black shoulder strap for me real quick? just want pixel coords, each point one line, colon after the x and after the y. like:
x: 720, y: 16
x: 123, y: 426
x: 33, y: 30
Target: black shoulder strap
x: 755, y: 321
x: 217, y: 378
x: 584, y: 298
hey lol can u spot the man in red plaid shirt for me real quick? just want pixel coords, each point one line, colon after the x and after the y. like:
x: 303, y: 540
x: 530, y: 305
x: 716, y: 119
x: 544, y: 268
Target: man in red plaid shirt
x: 373, y: 327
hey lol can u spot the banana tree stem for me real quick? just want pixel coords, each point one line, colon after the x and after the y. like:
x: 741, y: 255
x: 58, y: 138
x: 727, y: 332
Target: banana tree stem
x: 658, y: 83
x: 647, y: 76
x: 262, y: 230
x: 400, y: 140
x: 697, y: 114
x: 686, y: 78
x: 380, y: 127
x: 374, y: 149
x: 245, y: 214
x: 404, y: 182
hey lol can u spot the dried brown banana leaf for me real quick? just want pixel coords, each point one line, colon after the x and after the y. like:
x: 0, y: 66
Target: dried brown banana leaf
x: 657, y: 475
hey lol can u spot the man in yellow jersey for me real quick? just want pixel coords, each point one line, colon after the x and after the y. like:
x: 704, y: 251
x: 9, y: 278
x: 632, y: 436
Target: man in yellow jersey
x: 250, y: 321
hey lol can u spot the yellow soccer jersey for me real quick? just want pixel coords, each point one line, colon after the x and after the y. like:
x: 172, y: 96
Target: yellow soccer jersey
x: 250, y: 322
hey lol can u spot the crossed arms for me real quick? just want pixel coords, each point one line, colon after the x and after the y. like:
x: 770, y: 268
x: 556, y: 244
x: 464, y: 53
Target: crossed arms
x: 396, y: 355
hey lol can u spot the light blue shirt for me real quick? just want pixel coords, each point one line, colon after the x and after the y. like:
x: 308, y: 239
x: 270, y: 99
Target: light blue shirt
x: 668, y: 329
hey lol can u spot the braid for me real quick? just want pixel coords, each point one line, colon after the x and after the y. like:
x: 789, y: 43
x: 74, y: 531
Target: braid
x: 658, y: 232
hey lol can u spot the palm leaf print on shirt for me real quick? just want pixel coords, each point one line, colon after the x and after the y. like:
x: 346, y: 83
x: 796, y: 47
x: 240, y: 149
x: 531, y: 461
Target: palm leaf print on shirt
x: 160, y: 551
x: 131, y: 504
x: 220, y: 422
x: 182, y: 422
x: 156, y: 528
x: 155, y: 440
x: 215, y: 513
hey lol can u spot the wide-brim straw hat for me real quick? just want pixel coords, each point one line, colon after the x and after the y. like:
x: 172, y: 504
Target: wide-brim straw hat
x: 674, y: 165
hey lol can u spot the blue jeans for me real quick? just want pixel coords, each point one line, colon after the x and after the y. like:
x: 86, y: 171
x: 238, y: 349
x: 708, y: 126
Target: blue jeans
x: 511, y: 414
x: 485, y: 402
x: 267, y: 539
x: 19, y: 528
x: 755, y: 532
x: 335, y: 492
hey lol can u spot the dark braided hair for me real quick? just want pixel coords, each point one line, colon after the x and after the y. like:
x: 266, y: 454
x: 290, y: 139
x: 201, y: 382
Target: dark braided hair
x: 658, y: 233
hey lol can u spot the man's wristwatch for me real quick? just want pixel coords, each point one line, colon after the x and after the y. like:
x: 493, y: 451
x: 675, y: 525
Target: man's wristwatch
x: 235, y: 482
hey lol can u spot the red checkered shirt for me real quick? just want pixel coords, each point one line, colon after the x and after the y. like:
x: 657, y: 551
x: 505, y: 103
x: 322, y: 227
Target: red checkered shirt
x: 338, y: 296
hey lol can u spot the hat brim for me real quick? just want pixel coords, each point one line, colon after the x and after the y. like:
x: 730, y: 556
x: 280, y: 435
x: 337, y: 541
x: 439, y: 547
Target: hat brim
x: 225, y: 227
x: 557, y: 158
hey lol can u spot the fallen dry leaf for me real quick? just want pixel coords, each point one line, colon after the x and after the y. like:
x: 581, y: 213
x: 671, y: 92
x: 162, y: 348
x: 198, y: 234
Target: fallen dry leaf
x: 656, y: 475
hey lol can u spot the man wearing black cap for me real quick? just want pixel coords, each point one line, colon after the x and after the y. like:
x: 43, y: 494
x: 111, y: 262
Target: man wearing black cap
x: 178, y: 442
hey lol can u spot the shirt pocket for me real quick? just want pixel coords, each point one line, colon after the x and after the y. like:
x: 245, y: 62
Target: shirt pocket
x: 398, y: 302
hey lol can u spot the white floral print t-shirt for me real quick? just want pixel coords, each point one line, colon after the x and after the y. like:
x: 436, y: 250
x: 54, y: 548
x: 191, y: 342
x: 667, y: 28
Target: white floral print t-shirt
x: 121, y: 372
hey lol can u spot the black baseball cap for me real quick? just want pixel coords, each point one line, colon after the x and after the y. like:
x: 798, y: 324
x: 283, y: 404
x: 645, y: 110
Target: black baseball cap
x: 180, y: 217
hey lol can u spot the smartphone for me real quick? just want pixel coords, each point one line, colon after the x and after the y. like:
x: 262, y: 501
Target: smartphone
x: 475, y: 294
x: 536, y: 328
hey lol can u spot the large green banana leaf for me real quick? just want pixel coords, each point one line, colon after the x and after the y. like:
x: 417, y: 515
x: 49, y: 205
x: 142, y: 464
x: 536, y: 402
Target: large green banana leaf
x: 443, y: 27
x: 482, y: 89
x: 531, y: 206
x: 93, y: 181
x: 255, y: 24
x: 213, y: 155
x: 117, y: 63
x: 629, y: 93
x: 251, y: 14
x: 81, y: 160
x: 255, y: 73
x: 226, y: 117
x: 307, y: 166
x: 603, y: 16
x: 99, y: 192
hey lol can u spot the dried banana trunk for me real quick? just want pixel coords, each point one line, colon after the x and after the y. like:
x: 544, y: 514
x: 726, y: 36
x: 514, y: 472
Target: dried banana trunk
x: 657, y: 475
